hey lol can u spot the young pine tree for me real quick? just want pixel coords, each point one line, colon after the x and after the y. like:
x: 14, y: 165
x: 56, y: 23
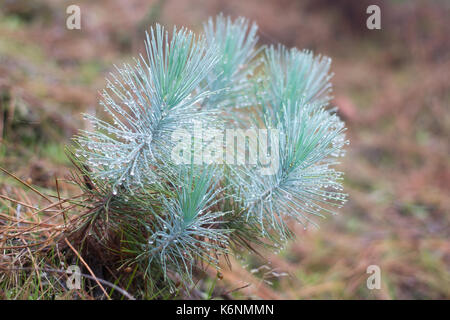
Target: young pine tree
x: 173, y: 217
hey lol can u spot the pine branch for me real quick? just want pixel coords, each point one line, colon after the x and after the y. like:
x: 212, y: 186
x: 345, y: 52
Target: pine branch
x: 187, y: 227
x: 236, y: 41
x: 293, y: 101
x: 292, y: 74
x: 147, y: 103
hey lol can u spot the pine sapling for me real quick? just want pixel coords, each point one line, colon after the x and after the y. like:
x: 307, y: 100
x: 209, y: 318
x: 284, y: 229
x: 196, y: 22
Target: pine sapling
x: 174, y: 217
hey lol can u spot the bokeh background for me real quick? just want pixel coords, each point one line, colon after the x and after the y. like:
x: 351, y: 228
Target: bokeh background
x: 392, y: 87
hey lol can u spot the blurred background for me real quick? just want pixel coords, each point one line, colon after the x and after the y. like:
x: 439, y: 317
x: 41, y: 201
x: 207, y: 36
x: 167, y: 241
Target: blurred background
x: 391, y: 85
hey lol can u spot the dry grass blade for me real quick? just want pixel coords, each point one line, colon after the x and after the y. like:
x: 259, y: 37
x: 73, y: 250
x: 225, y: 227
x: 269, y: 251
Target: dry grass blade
x: 25, y: 184
x: 18, y: 202
x: 87, y: 267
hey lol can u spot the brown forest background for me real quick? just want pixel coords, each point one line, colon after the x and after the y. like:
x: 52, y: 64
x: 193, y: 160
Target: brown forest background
x: 392, y: 87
